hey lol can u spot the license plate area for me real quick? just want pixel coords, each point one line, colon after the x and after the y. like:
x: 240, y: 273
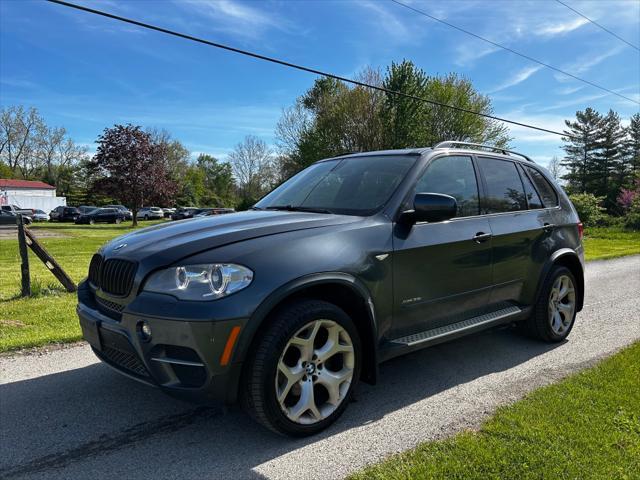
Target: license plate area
x: 91, y: 332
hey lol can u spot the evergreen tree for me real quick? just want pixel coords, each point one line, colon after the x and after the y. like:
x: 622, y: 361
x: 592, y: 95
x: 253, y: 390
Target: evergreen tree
x: 633, y: 145
x: 581, y: 151
x: 610, y: 167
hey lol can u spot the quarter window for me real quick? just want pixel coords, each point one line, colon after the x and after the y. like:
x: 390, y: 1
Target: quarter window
x: 505, y: 192
x: 532, y: 196
x: 547, y: 192
x: 453, y: 176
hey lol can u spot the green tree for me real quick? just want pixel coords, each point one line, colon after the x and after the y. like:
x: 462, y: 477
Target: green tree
x: 582, y: 145
x: 332, y: 118
x: 610, y: 166
x: 414, y: 123
x: 218, y: 181
x: 633, y: 144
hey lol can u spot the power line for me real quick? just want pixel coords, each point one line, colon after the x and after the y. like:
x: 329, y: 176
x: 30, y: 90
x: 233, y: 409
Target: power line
x: 296, y: 66
x: 523, y: 55
x: 598, y: 25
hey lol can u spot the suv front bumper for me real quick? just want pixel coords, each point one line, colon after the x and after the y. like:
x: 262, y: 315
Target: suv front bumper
x: 182, y: 358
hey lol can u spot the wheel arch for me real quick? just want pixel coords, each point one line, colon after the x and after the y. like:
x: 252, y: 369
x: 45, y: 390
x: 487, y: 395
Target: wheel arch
x: 344, y: 291
x: 568, y: 258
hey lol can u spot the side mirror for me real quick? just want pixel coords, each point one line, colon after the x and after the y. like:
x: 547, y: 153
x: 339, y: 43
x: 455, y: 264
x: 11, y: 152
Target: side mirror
x: 431, y: 207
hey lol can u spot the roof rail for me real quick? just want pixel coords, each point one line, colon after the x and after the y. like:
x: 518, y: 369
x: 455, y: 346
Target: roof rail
x: 504, y: 151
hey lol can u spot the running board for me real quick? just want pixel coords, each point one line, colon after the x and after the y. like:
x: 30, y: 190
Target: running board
x: 456, y: 328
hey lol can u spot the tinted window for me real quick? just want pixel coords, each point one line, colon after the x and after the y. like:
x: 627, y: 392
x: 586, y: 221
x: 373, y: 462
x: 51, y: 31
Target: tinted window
x: 355, y: 186
x: 504, y: 188
x: 453, y: 176
x: 532, y: 196
x: 546, y: 191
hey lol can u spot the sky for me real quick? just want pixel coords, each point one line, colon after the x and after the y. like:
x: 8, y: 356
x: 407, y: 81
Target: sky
x: 86, y: 73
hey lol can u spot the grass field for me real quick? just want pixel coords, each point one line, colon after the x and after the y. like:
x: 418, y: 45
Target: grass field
x: 603, y: 243
x: 50, y: 315
x: 585, y: 427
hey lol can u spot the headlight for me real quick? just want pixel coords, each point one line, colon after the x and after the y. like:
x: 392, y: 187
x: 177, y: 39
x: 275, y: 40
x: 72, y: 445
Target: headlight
x: 200, y: 282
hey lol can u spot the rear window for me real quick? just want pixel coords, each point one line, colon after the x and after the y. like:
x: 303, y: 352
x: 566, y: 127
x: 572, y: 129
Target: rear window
x: 505, y: 192
x: 544, y: 188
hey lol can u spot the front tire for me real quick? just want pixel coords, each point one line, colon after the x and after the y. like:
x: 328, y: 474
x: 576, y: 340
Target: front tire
x: 555, y: 311
x: 305, y: 367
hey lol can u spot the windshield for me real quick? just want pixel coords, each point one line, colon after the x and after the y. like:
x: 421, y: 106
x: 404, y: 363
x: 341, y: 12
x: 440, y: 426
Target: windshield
x: 350, y: 186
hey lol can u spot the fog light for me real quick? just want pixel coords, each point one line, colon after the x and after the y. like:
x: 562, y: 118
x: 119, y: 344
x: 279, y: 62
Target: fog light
x: 145, y: 331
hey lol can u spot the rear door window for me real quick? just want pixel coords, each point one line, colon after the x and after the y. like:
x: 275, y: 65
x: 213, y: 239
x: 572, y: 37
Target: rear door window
x: 505, y: 192
x: 544, y: 188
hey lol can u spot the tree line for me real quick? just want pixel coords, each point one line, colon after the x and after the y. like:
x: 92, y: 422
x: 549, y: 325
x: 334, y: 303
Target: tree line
x: 602, y: 158
x: 138, y: 166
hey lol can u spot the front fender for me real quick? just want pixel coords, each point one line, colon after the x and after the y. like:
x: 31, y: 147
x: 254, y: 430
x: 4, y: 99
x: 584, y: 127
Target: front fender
x: 289, y: 289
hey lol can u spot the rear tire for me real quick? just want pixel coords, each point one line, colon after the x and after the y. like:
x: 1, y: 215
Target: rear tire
x: 302, y: 373
x: 555, y: 311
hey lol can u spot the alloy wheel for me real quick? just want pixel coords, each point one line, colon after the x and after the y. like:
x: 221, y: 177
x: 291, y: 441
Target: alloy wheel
x: 315, y: 371
x: 562, y: 304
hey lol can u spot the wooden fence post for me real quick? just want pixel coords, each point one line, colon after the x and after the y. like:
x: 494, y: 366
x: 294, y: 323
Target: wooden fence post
x: 24, y: 256
x: 49, y: 262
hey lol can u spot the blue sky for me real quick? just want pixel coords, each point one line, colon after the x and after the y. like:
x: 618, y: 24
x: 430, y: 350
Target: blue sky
x: 86, y: 73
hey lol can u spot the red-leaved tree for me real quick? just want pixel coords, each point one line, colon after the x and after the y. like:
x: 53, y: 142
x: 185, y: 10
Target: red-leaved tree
x: 131, y: 168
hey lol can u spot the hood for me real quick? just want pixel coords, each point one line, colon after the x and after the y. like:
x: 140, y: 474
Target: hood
x: 172, y: 241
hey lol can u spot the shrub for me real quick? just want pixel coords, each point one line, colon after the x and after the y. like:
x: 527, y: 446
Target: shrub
x: 589, y: 209
x: 632, y: 218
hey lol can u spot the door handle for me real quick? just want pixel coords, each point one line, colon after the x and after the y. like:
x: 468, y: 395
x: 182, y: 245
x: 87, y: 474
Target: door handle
x: 481, y: 237
x: 547, y: 227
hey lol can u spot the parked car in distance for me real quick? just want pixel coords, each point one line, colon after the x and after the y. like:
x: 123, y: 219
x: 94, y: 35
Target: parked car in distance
x: 127, y: 213
x: 183, y: 212
x: 168, y: 211
x: 150, y: 213
x: 86, y: 208
x: 16, y: 209
x: 205, y: 212
x: 101, y: 215
x: 8, y: 217
x: 40, y: 216
x: 353, y: 261
x: 64, y: 214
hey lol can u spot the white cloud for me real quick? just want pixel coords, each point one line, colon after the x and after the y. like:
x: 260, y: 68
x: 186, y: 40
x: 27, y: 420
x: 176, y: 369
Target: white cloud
x: 235, y: 18
x: 517, y: 78
x: 587, y: 62
x: 390, y: 23
x: 552, y: 30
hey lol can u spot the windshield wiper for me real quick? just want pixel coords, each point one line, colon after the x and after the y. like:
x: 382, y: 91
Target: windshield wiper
x: 293, y: 208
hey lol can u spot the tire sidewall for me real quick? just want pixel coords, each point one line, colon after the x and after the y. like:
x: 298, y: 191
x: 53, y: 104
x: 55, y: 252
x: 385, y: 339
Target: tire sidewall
x: 544, y: 303
x: 282, y: 423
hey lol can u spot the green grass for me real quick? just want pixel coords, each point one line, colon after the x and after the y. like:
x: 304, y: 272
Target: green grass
x: 585, y: 427
x: 603, y: 243
x: 49, y: 316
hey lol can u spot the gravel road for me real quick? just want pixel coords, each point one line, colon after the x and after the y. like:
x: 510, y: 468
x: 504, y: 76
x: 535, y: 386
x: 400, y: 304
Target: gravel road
x: 63, y: 415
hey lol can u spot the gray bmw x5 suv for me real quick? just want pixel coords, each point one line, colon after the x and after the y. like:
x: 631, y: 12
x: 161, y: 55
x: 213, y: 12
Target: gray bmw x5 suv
x: 353, y: 261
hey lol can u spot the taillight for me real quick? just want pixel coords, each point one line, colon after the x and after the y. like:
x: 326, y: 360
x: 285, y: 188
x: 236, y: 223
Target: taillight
x: 580, y: 230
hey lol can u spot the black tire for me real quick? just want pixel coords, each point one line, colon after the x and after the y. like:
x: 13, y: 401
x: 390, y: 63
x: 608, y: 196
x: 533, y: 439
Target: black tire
x: 258, y: 390
x: 92, y: 222
x: 146, y: 217
x: 539, y: 324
